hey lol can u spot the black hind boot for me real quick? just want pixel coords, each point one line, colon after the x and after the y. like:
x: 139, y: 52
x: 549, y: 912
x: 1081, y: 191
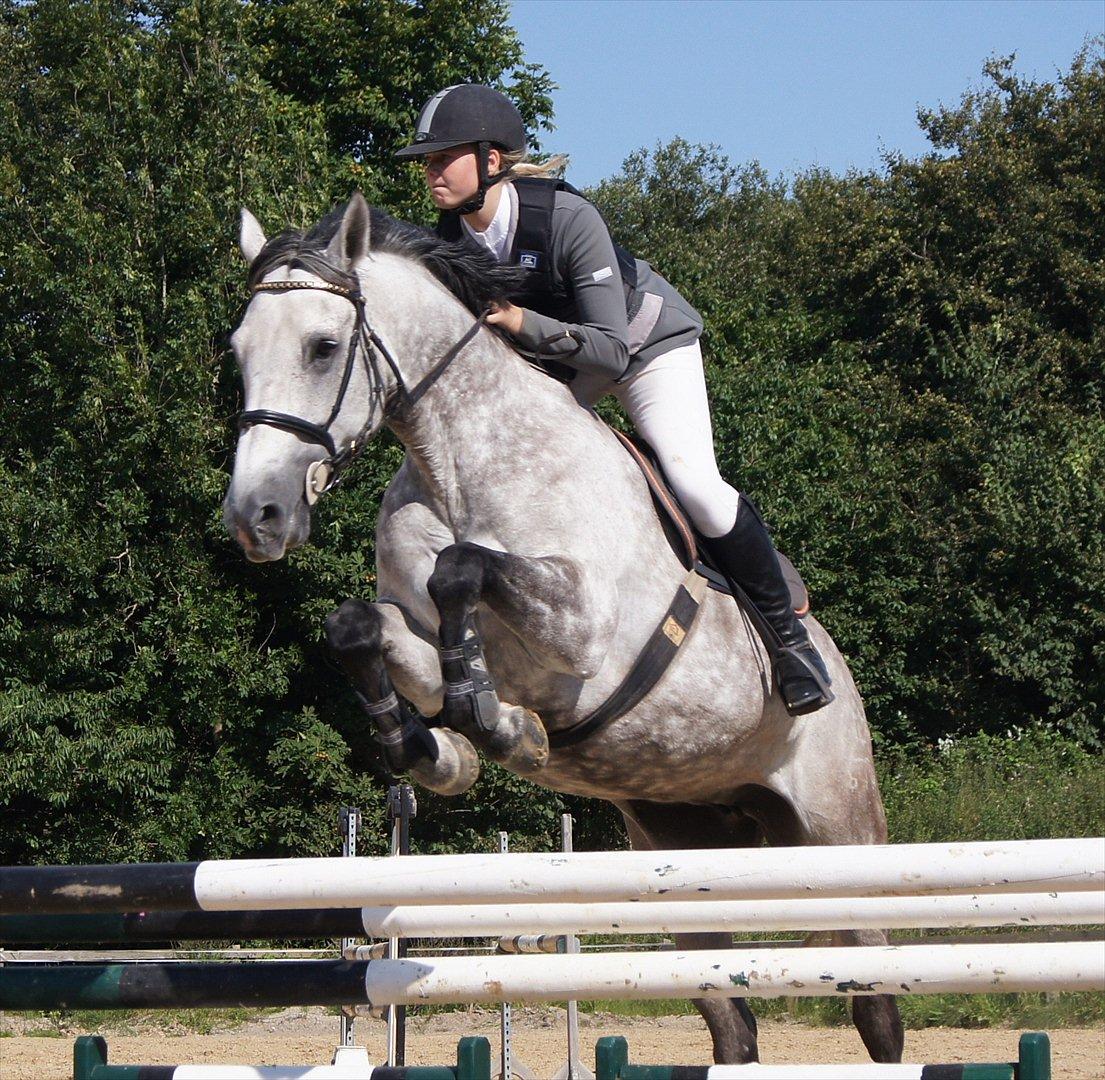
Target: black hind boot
x: 747, y: 557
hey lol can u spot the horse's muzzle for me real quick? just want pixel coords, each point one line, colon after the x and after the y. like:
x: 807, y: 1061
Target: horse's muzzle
x: 266, y: 530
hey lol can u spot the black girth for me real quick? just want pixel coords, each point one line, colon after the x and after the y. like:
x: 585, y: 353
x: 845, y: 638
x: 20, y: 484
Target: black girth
x: 654, y: 659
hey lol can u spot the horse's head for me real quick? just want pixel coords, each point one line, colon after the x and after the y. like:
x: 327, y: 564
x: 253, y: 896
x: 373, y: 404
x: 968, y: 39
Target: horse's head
x: 319, y: 379
x: 312, y: 382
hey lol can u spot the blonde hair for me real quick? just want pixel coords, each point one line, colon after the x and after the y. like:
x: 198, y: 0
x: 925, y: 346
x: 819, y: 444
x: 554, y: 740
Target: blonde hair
x: 515, y: 164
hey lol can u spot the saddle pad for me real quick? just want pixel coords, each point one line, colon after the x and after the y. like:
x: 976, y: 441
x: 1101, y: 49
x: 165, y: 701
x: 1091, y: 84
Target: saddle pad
x: 691, y: 553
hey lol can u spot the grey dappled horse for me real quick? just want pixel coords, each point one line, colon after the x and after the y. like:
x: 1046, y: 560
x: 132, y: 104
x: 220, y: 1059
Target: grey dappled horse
x: 521, y: 570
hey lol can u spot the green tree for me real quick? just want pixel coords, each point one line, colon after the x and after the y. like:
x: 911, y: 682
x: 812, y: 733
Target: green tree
x: 382, y: 59
x: 159, y: 696
x: 906, y: 371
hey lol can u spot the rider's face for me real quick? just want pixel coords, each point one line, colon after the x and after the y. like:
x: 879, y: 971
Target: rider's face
x: 452, y: 175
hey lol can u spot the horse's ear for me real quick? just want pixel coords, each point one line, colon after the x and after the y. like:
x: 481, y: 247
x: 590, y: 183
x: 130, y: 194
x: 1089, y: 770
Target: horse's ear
x: 350, y: 243
x: 251, y: 236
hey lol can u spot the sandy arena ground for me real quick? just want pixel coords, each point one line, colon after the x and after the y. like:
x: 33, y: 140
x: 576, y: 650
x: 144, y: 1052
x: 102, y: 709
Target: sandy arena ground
x: 308, y: 1036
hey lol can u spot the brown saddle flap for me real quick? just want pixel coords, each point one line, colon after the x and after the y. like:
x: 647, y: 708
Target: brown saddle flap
x: 683, y: 537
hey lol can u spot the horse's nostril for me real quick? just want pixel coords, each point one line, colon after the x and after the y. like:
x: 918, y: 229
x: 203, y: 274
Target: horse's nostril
x: 269, y: 512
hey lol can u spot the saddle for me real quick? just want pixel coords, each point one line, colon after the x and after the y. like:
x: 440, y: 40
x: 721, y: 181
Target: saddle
x: 684, y: 539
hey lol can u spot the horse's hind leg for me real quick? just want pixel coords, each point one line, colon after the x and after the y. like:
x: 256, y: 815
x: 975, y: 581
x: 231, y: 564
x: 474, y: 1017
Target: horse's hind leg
x: 876, y: 1017
x: 381, y: 651
x: 675, y: 826
x: 544, y: 602
x: 844, y: 813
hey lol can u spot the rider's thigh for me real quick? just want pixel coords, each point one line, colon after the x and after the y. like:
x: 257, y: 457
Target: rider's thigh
x: 668, y: 404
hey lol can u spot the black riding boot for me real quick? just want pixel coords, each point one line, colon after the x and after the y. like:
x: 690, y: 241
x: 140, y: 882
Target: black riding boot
x: 747, y: 556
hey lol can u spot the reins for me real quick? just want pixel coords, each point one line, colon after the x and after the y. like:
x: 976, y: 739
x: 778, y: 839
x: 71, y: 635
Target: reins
x: 323, y: 475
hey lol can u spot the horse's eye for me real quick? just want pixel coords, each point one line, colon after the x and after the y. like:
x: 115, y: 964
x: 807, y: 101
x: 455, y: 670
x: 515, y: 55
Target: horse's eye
x: 324, y: 348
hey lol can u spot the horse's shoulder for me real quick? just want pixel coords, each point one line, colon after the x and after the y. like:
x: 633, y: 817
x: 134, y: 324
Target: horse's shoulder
x: 404, y: 488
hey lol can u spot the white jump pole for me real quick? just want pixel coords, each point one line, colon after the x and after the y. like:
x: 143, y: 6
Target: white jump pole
x: 355, y: 1066
x: 621, y: 876
x: 914, y: 969
x: 854, y: 913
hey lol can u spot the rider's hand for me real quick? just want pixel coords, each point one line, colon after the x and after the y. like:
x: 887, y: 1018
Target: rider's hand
x: 508, y: 317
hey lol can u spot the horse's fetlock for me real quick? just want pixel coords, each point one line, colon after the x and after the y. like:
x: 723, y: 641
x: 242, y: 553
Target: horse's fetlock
x: 471, y: 704
x: 406, y: 742
x: 474, y: 712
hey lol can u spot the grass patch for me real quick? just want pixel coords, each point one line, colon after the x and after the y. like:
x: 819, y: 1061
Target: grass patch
x: 1029, y: 1011
x: 64, y: 1022
x: 656, y: 1007
x: 1028, y: 785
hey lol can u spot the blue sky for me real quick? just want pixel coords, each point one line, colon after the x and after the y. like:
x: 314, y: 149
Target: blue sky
x: 789, y: 83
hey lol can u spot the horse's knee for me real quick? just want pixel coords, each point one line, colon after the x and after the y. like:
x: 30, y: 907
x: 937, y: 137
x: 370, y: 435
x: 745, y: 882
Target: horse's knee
x: 354, y: 627
x: 459, y: 575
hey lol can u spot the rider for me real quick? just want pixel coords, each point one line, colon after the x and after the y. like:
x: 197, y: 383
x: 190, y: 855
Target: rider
x: 609, y: 324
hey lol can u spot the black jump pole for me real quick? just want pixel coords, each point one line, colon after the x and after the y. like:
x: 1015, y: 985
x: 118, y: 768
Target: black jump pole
x: 50, y: 987
x: 143, y: 927
x: 100, y: 888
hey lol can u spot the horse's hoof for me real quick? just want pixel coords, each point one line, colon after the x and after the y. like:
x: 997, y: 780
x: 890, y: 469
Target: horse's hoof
x: 519, y: 741
x: 455, y: 769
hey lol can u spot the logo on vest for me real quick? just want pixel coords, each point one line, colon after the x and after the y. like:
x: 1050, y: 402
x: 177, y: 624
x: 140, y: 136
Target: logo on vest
x: 529, y: 259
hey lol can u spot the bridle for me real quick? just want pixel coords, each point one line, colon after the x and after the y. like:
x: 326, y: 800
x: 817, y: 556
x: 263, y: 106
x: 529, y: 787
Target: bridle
x: 323, y: 475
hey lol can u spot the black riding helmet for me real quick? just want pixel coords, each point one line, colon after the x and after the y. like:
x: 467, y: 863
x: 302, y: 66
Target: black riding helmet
x: 468, y: 113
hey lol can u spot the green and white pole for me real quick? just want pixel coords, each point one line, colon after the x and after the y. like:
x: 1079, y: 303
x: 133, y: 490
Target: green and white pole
x: 1034, y: 1063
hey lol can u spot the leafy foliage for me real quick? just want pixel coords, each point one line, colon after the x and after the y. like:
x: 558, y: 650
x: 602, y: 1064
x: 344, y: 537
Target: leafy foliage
x: 159, y: 697
x: 906, y: 371
x: 1026, y: 786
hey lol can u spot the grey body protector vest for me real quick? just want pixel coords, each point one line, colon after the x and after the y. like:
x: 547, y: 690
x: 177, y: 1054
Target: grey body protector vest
x: 531, y: 248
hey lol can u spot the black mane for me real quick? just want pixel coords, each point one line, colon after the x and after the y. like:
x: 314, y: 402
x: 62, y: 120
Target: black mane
x: 472, y: 276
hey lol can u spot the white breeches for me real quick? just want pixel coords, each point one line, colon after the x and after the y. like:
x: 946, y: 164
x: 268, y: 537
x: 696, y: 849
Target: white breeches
x: 666, y: 401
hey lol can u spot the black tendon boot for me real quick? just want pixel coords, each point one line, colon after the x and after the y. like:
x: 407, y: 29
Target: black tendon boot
x: 747, y: 556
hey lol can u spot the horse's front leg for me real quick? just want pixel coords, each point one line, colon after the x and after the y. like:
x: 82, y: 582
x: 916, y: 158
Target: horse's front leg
x: 391, y: 663
x: 544, y: 602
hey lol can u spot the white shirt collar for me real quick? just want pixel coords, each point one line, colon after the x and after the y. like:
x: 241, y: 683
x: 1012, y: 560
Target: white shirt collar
x: 498, y: 235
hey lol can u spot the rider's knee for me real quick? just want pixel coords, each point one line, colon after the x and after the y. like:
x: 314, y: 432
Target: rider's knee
x: 710, y: 502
